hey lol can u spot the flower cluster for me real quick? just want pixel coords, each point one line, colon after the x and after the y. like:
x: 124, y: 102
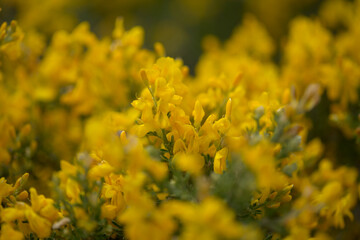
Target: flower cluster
x: 135, y: 147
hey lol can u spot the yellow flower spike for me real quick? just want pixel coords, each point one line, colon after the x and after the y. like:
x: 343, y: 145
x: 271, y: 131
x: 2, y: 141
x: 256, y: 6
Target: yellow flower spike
x: 220, y: 160
x: 7, y: 232
x: 185, y: 71
x: 237, y: 79
x: 198, y: 113
x: 21, y: 181
x: 23, y: 195
x: 273, y: 195
x: 286, y: 97
x: 35, y: 200
x: 119, y: 28
x: 288, y: 188
x: 159, y: 49
x: 123, y: 138
x: 228, y: 109
x: 286, y: 198
x: 144, y: 77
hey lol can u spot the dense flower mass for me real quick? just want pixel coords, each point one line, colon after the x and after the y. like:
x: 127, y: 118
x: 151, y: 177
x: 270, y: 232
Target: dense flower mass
x: 123, y: 142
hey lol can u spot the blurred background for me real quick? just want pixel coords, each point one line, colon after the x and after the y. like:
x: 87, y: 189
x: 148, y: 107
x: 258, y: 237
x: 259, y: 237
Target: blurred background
x: 179, y: 24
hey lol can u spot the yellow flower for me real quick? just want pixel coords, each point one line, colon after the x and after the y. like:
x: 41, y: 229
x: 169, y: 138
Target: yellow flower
x: 192, y: 163
x: 222, y: 125
x: 228, y: 109
x: 83, y: 220
x: 220, y: 160
x: 39, y: 225
x: 113, y: 192
x: 109, y: 211
x: 72, y: 190
x: 143, y: 219
x: 5, y: 189
x: 119, y: 28
x: 330, y: 193
x: 7, y: 232
x: 198, y: 113
x: 43, y: 206
x: 12, y: 214
x: 210, y: 219
x: 159, y: 170
x: 100, y: 171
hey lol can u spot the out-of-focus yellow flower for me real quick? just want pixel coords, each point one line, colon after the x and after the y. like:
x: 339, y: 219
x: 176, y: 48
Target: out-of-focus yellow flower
x: 72, y: 190
x: 189, y: 162
x: 5, y: 189
x: 8, y: 232
x: 220, y: 160
x: 83, y: 220
x: 208, y: 220
x: 11, y: 214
